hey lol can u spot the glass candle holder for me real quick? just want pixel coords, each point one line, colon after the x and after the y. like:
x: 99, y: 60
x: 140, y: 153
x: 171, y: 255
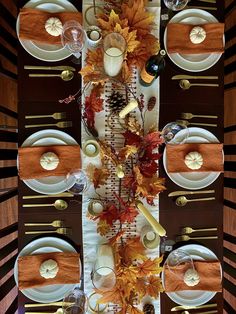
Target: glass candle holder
x: 93, y: 305
x: 103, y: 275
x: 114, y: 46
x: 95, y: 207
x: 91, y: 14
x: 149, y: 237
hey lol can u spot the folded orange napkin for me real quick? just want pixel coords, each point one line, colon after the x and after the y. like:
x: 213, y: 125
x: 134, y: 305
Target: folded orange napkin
x: 29, y: 161
x: 178, y: 39
x: 29, y: 266
x: 208, y: 271
x: 211, y: 154
x: 32, y: 24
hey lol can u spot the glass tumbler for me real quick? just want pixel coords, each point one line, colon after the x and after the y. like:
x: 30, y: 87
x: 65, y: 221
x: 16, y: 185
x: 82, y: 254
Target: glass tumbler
x: 114, y: 46
x: 175, y: 5
x: 75, y: 302
x: 175, y: 133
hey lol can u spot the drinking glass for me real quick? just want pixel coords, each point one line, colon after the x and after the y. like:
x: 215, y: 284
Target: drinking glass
x: 81, y: 182
x: 175, y: 133
x: 114, y: 46
x: 103, y: 274
x: 91, y: 14
x: 175, y: 5
x: 73, y: 38
x: 75, y: 302
x: 177, y: 258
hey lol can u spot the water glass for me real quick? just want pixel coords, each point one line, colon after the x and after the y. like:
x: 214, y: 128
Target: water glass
x: 175, y: 133
x: 175, y: 5
x: 75, y: 302
x: 177, y: 258
x: 114, y: 46
x: 81, y: 182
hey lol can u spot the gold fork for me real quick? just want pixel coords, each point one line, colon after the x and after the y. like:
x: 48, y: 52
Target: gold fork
x: 54, y: 223
x: 189, y: 116
x: 61, y: 124
x: 55, y: 116
x: 185, y: 237
x: 187, y: 123
x: 58, y: 230
x: 188, y: 230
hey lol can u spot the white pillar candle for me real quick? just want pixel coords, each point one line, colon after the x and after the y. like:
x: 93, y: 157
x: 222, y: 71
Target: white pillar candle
x: 105, y: 260
x: 97, y: 207
x: 113, y: 59
x: 94, y: 35
x: 150, y: 235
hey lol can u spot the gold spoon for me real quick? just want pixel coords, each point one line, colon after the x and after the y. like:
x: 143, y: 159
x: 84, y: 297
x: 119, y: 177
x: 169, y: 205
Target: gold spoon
x: 207, y: 312
x: 58, y: 204
x: 182, y: 200
x: 185, y: 84
x: 65, y: 75
x: 188, y: 230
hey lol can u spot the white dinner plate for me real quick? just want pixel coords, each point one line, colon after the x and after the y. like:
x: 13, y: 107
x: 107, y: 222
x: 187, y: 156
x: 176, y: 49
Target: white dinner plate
x: 46, y: 52
x: 190, y: 62
x: 193, y: 180
x: 52, y: 184
x: 193, y: 297
x: 51, y: 293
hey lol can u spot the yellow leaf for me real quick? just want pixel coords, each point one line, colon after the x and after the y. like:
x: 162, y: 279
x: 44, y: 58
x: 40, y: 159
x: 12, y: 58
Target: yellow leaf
x: 103, y: 227
x: 133, y: 249
x: 126, y: 73
x: 126, y: 152
x: 97, y: 175
x: 150, y: 267
x: 92, y: 75
x: 154, y: 286
x: 95, y: 57
x: 112, y: 296
x: 129, y: 36
x: 109, y: 24
x: 140, y: 287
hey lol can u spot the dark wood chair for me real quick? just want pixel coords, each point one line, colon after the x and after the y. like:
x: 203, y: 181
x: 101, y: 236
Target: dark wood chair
x: 8, y: 41
x: 229, y: 264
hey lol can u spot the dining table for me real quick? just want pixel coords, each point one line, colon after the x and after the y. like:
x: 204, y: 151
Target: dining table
x: 37, y: 96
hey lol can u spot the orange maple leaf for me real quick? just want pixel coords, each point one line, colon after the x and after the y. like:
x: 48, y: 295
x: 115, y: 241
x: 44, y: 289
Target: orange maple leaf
x: 140, y: 287
x: 129, y: 36
x: 97, y: 175
x: 154, y: 286
x: 126, y: 73
x: 95, y: 57
x: 126, y: 152
x: 130, y: 309
x: 138, y: 17
x: 133, y: 249
x: 116, y: 238
x: 112, y: 296
x: 94, y: 75
x: 150, y: 267
x: 108, y: 24
x: 94, y: 101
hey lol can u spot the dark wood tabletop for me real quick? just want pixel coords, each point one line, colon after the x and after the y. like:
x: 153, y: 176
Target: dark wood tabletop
x: 41, y: 95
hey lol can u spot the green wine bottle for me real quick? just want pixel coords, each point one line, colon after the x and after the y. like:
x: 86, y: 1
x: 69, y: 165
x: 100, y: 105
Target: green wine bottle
x: 152, y: 68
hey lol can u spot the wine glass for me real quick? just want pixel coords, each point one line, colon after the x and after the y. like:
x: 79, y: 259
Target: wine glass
x: 177, y: 258
x: 75, y: 302
x: 175, y: 133
x: 73, y: 38
x: 81, y: 182
x: 175, y: 5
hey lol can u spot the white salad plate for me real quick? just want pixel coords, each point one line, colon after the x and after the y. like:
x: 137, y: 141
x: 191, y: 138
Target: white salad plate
x: 40, y: 51
x: 193, y: 297
x: 52, y: 184
x: 193, y: 62
x: 193, y: 180
x: 51, y: 293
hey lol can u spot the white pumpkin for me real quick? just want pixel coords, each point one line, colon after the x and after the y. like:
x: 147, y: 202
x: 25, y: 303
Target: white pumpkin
x: 197, y: 35
x: 49, y: 269
x: 49, y: 161
x: 193, y: 160
x: 191, y: 277
x: 54, y: 26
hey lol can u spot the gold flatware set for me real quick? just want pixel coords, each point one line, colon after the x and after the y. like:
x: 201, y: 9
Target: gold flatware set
x: 199, y: 307
x: 186, y: 84
x: 55, y: 116
x: 61, y: 125
x: 58, y: 204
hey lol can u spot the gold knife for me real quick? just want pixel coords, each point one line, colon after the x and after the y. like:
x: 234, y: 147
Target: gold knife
x: 184, y: 77
x: 47, y: 304
x: 200, y: 7
x: 54, y: 68
x: 180, y: 308
x: 65, y: 194
x: 180, y: 193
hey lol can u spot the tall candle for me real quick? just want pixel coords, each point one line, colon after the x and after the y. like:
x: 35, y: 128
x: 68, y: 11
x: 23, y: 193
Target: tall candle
x: 113, y: 59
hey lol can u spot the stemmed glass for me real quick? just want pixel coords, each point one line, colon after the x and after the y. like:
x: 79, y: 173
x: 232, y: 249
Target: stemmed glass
x: 73, y: 38
x: 177, y: 258
x: 175, y: 5
x: 175, y: 133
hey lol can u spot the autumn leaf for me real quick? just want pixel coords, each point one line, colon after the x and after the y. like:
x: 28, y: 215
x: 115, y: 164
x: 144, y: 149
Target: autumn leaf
x: 138, y: 17
x: 116, y: 238
x: 133, y: 249
x: 148, y: 168
x: 150, y: 267
x: 126, y: 73
x: 111, y: 296
x: 140, y: 287
x: 127, y: 274
x: 109, y: 24
x: 126, y: 152
x: 94, y: 57
x: 128, y: 215
x: 108, y: 151
x: 97, y: 175
x: 94, y: 75
x: 93, y: 101
x: 103, y: 227
x: 132, y: 138
x: 154, y: 286
x: 132, y: 125
x: 152, y: 140
x: 129, y: 36
x: 110, y: 214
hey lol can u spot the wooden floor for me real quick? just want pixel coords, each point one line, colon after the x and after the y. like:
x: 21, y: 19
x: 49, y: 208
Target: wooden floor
x: 8, y: 210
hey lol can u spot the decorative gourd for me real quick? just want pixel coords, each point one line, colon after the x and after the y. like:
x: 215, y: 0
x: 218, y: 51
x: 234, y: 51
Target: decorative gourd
x: 49, y: 161
x: 193, y: 160
x: 49, y: 269
x: 197, y: 35
x: 191, y: 277
x: 53, y: 26
x: 120, y: 172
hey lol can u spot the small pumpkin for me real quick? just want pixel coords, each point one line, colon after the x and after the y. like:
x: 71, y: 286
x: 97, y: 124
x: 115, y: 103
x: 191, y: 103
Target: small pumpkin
x: 49, y: 269
x: 193, y: 160
x: 49, y: 161
x: 191, y: 277
x: 54, y: 26
x: 197, y: 35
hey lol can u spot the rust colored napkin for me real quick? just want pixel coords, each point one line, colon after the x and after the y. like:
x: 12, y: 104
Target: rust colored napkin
x: 29, y: 275
x: 32, y: 24
x: 29, y: 161
x: 211, y: 154
x: 178, y: 39
x: 209, y: 272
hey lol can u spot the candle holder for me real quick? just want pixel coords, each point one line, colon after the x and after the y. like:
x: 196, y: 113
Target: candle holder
x: 91, y: 14
x: 114, y: 46
x: 94, y: 36
x: 93, y: 305
x: 91, y: 148
x: 150, y: 239
x: 95, y: 207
